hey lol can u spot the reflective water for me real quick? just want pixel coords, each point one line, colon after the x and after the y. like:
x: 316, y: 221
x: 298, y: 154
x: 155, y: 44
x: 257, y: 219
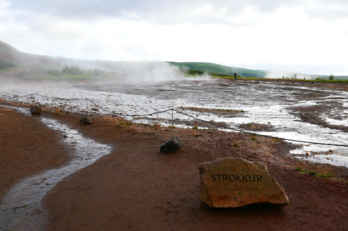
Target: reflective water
x: 20, y: 209
x: 262, y: 102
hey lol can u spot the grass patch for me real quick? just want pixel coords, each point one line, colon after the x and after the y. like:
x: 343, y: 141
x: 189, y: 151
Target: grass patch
x: 329, y: 175
x: 298, y: 168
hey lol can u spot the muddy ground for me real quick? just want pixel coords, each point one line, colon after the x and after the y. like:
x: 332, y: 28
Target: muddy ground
x: 27, y: 146
x: 138, y: 188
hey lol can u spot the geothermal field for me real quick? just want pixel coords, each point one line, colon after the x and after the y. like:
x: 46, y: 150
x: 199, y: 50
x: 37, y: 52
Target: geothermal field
x: 311, y: 115
x: 298, y: 111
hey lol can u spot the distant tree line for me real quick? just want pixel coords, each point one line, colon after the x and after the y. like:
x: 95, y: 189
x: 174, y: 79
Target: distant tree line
x: 195, y: 72
x: 5, y: 65
x: 198, y: 72
x: 331, y: 77
x: 74, y: 70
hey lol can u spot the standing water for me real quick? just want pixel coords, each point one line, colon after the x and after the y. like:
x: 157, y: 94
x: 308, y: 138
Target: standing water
x: 20, y: 209
x: 260, y: 102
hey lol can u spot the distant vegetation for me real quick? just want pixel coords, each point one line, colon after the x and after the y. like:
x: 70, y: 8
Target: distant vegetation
x: 218, y: 70
x: 10, y: 57
x: 73, y: 72
x: 5, y: 65
x: 194, y: 72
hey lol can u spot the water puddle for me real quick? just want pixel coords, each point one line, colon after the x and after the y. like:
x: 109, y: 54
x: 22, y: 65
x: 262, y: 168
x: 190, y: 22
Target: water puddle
x: 333, y: 159
x: 20, y: 209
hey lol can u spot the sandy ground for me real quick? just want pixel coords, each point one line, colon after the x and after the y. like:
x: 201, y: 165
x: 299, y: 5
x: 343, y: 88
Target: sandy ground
x: 138, y: 188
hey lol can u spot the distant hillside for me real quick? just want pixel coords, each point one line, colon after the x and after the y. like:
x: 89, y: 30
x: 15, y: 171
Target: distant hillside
x: 10, y: 56
x: 220, y: 69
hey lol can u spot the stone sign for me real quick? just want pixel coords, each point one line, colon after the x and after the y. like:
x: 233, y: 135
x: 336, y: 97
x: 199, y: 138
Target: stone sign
x: 235, y: 182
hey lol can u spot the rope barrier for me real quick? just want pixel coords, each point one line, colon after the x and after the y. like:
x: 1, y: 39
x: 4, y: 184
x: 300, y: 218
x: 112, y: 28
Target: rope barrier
x: 253, y: 133
x: 180, y: 112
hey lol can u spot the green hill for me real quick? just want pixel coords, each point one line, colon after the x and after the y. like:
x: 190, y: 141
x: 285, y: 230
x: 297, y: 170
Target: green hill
x: 220, y: 69
x: 10, y: 56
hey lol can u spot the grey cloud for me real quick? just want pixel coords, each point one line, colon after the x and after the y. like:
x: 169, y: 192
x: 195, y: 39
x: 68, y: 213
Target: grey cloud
x: 160, y: 11
x: 327, y: 13
x: 327, y: 9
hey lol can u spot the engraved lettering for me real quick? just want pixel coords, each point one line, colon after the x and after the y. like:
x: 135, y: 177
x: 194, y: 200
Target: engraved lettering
x: 259, y: 178
x: 218, y: 176
x: 253, y: 180
x: 238, y: 178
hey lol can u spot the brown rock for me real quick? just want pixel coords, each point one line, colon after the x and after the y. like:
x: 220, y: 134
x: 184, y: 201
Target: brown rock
x: 236, y: 182
x: 86, y: 120
x: 35, y: 110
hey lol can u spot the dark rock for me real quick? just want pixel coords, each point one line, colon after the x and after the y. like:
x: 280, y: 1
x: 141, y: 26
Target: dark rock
x: 86, y: 120
x: 171, y: 145
x: 35, y: 110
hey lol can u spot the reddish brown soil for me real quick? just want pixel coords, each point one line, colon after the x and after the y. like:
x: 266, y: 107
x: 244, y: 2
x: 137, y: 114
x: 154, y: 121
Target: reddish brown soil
x: 27, y: 146
x: 138, y: 188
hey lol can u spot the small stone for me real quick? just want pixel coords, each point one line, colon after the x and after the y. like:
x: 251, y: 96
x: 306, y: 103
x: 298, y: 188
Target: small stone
x: 35, y: 110
x: 86, y: 120
x: 236, y: 182
x: 171, y: 145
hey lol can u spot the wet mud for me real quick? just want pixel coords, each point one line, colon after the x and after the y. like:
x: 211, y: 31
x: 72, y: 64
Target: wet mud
x: 21, y: 208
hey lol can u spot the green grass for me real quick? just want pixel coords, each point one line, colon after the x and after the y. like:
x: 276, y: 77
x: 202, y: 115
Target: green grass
x: 329, y: 175
x: 332, y: 81
x: 219, y: 69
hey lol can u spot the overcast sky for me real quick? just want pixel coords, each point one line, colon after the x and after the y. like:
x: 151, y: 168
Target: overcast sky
x: 306, y: 36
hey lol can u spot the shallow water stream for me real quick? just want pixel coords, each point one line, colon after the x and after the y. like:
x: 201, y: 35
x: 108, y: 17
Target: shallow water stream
x: 20, y: 209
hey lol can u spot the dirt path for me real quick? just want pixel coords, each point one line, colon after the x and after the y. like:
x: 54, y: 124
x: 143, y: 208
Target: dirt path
x: 137, y: 188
